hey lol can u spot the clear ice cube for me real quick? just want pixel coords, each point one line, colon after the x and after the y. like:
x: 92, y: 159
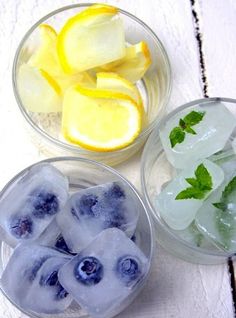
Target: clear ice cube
x: 31, y: 203
x: 30, y: 279
x: 105, y: 273
x: 193, y: 236
x: 94, y: 209
x: 217, y: 217
x: 180, y: 213
x: 200, y: 140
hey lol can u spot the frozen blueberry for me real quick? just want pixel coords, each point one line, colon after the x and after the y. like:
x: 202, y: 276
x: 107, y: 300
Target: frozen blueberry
x: 44, y: 203
x: 86, y: 204
x: 61, y: 245
x: 21, y: 227
x: 52, y: 280
x: 115, y: 192
x: 88, y: 271
x: 128, y: 269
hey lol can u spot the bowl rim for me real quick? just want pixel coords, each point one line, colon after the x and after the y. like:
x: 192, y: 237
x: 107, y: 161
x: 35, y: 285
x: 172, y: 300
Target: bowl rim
x: 110, y: 170
x: 147, y: 200
x: 76, y: 149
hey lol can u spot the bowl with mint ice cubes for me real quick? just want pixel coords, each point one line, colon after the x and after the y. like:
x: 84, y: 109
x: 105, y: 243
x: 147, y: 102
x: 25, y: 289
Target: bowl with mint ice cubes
x: 189, y: 180
x: 76, y: 240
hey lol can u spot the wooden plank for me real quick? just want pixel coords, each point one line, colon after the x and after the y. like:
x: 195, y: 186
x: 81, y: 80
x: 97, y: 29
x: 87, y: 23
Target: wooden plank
x: 218, y: 24
x: 175, y: 288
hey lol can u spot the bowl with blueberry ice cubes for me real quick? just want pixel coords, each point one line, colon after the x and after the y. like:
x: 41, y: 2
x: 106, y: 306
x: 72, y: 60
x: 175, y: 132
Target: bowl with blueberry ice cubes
x: 76, y: 240
x: 189, y: 180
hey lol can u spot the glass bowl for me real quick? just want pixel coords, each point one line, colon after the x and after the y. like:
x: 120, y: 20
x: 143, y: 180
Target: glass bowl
x: 83, y: 173
x: 155, y: 88
x: 155, y: 172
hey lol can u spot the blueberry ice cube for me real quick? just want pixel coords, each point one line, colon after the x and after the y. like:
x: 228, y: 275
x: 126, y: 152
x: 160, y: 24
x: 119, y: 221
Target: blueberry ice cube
x: 94, y: 209
x: 196, y: 132
x: 180, y: 200
x: 217, y: 217
x: 105, y: 274
x: 31, y: 203
x: 26, y: 279
x: 47, y: 286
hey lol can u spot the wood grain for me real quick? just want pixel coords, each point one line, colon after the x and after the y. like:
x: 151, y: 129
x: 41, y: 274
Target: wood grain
x: 175, y: 288
x: 219, y: 47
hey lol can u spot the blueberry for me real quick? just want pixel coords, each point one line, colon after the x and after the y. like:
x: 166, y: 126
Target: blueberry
x: 44, y: 203
x: 115, y: 193
x: 21, y: 227
x: 61, y: 245
x: 31, y: 274
x: 86, y: 203
x: 52, y: 280
x: 88, y: 271
x: 128, y: 269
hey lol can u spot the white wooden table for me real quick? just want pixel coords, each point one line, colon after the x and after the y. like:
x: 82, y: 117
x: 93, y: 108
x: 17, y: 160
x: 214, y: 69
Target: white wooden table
x: 200, y: 67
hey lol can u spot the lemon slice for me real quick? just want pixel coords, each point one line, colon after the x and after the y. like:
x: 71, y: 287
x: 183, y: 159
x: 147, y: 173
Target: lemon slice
x: 91, y: 38
x: 114, y: 82
x: 38, y: 91
x: 45, y: 57
x: 135, y: 63
x: 98, y: 119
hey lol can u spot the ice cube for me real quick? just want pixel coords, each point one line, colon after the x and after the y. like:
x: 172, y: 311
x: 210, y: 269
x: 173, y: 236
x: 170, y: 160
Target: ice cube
x: 193, y: 236
x: 217, y: 217
x: 180, y: 213
x: 52, y: 237
x: 105, y: 273
x: 30, y: 279
x: 196, y: 137
x: 31, y: 203
x: 94, y: 209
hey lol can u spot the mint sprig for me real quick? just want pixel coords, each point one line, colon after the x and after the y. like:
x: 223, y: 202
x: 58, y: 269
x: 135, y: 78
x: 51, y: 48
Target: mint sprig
x: 177, y: 134
x: 200, y: 185
x: 224, y: 219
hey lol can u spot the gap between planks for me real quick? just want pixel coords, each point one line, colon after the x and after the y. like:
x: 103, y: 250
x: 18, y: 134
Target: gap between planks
x: 202, y: 62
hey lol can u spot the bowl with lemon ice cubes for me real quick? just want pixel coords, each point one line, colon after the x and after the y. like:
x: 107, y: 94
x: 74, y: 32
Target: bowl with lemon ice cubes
x: 189, y: 180
x: 92, y: 81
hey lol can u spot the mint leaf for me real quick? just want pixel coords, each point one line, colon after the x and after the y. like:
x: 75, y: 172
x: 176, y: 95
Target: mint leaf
x: 193, y: 118
x: 190, y: 193
x: 182, y: 123
x: 220, y: 205
x: 177, y: 136
x: 204, y: 178
x: 193, y: 182
x: 231, y: 187
x: 190, y: 130
x: 200, y: 185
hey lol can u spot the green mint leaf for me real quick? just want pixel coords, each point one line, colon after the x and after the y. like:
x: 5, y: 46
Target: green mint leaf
x: 190, y: 130
x: 204, y: 178
x: 220, y: 205
x: 182, y: 124
x: 231, y: 187
x: 176, y: 136
x: 190, y: 193
x: 193, y: 118
x: 200, y: 185
x: 193, y: 182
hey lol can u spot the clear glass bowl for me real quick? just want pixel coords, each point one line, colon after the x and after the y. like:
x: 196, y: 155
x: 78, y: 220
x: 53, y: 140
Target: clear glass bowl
x: 155, y: 171
x: 83, y: 173
x: 155, y: 88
